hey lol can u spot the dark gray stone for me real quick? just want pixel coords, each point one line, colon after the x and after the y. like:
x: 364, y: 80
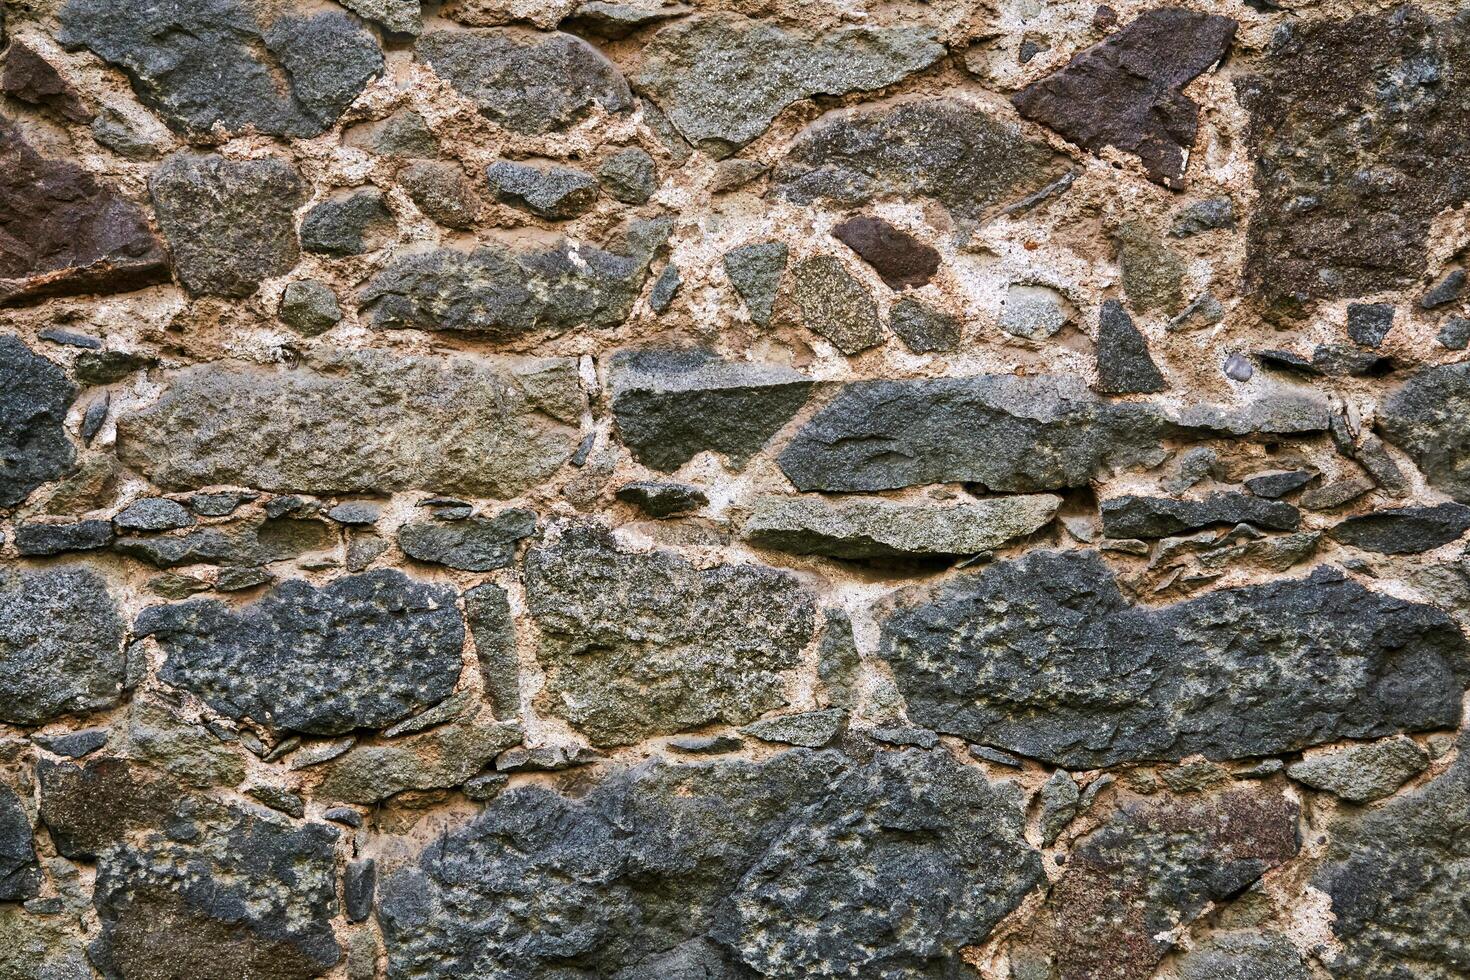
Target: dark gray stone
x: 1278, y: 483
x: 835, y: 305
x: 635, y: 645
x: 363, y: 652
x: 530, y: 83
x: 1058, y: 798
x: 1210, y: 214
x: 279, y: 799
x: 73, y: 745
x: 1076, y: 675
x: 356, y: 513
x: 673, y: 404
x: 55, y: 539
x: 1428, y: 416
x: 706, y: 744
x: 1444, y: 292
x: 94, y: 418
x: 404, y: 134
x: 1369, y: 323
x: 106, y: 366
x: 839, y: 665
x: 554, y: 193
x: 230, y: 223
x: 20, y: 873
x: 1363, y: 773
x: 218, y: 504
x: 1159, y: 517
x: 60, y: 645
x: 310, y: 307
x: 358, y: 885
x: 349, y: 225
x: 475, y: 544
x: 396, y: 16
x: 612, y: 20
x: 923, y: 329
x: 1124, y: 364
x: 755, y: 272
x: 207, y: 63
x: 1455, y: 334
x: 1404, y: 530
x: 35, y: 396
x: 665, y: 288
x: 629, y: 175
x: 441, y: 191
x: 440, y: 758
x: 153, y: 514
x: 723, y: 78
x: 809, y: 729
x: 1243, y: 955
x: 487, y: 608
x: 660, y: 500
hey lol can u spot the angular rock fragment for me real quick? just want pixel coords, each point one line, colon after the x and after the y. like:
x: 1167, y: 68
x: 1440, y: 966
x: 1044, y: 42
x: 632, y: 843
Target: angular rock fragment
x: 1124, y: 364
x: 635, y: 645
x: 230, y: 223
x: 1127, y: 91
x: 1157, y: 517
x: 1369, y: 323
x: 1363, y: 773
x: 60, y: 645
x: 613, y: 20
x: 1446, y: 291
x: 924, y: 329
x: 665, y: 288
x: 27, y: 76
x: 153, y: 514
x: 64, y: 232
x: 363, y: 652
x: 1245, y: 954
x: 1059, y: 798
x: 900, y: 259
x: 721, y: 78
x: 487, y: 608
x: 673, y: 404
x: 877, y: 528
x: 937, y: 148
x: 40, y: 945
x: 1076, y: 675
x: 441, y: 191
x: 1034, y: 312
x: 755, y: 272
x: 54, y: 539
x: 397, y: 16
x: 528, y: 82
x: 1428, y: 417
x: 348, y: 225
x: 810, y: 729
x: 660, y: 500
x: 835, y: 305
x: 475, y: 544
x: 203, y: 64
x: 1152, y: 272
x: 1278, y: 483
x: 629, y: 176
x: 361, y: 422
x: 73, y: 745
x: 310, y: 307
x: 554, y: 193
x: 35, y: 396
x: 1202, y: 216
x: 20, y: 874
x: 440, y: 758
x: 91, y: 807
x: 1404, y: 530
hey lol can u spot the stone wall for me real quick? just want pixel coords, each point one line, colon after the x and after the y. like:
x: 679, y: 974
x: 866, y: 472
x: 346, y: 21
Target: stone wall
x: 581, y: 490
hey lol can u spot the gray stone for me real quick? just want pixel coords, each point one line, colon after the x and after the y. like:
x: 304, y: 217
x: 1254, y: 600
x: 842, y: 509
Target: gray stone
x: 735, y: 173
x: 1077, y: 676
x: 20, y: 873
x: 706, y: 744
x: 839, y: 664
x: 923, y: 329
x: 1335, y: 493
x: 35, y: 396
x: 530, y: 83
x: 1157, y: 517
x: 356, y: 513
x: 440, y: 758
x: 404, y: 134
x: 73, y: 745
x: 1059, y: 804
x: 629, y: 176
x: 835, y: 305
x: 635, y: 645
x: 671, y: 405
x: 1363, y: 773
x: 441, y: 191
x: 1404, y: 530
x: 723, y: 78
x: 614, y: 20
x: 362, y: 652
x: 358, y: 884
x: 397, y: 16
x: 1243, y: 955
x: 40, y: 946
x: 878, y: 528
x: 987, y: 754
x: 546, y: 758
x: 60, y: 645
x: 1040, y: 433
x: 809, y: 729
x: 1455, y: 334
x: 230, y: 223
x: 153, y: 514
x: 1428, y: 417
x: 1274, y: 484
x: 1369, y: 323
x: 755, y: 272
x: 33, y: 540
x: 1034, y: 312
x: 106, y: 366
x: 660, y: 500
x: 937, y: 148
x: 665, y: 288
x: 348, y: 225
x: 1238, y: 368
x: 207, y: 63
x: 1124, y: 364
x: 362, y: 421
x: 789, y: 865
x: 487, y: 608
x: 554, y: 193
x: 278, y: 799
x: 475, y: 544
x: 1211, y: 214
x: 1446, y: 291
x: 1152, y: 272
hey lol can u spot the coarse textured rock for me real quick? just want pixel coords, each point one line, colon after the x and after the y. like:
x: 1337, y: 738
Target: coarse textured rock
x: 660, y: 500
x: 1127, y: 91
x: 310, y: 307
x: 475, y: 544
x: 27, y: 76
x: 1363, y: 773
x: 35, y: 396
x: 924, y: 329
x: 1428, y: 416
x: 1274, y: 484
x: 362, y: 421
x: 349, y: 225
x: 1211, y: 214
x: 1404, y: 530
x: 1034, y: 312
x: 901, y: 260
x: 441, y: 191
x: 203, y: 64
x: 555, y: 193
x: 629, y: 175
x: 671, y: 405
x: 62, y: 232
x: 1152, y: 272
x: 358, y: 884
x: 809, y: 729
x: 1446, y: 291
x: 20, y: 874
x: 1076, y: 675
x: 73, y: 745
x: 436, y: 759
x: 836, y: 305
x: 612, y: 20
x: 721, y: 78
x: 1133, y: 516
x: 492, y: 624
x: 761, y: 857
x: 54, y: 539
x: 1335, y: 493
x: 1455, y: 334
x: 362, y: 652
x: 229, y: 223
x: 528, y: 82
x: 1243, y: 955
x: 60, y: 645
x: 1369, y: 323
x: 1151, y: 867
x: 877, y: 528
x: 38, y: 945
x: 1059, y: 799
x: 755, y: 272
x: 635, y: 645
x: 398, y: 16
x: 153, y: 514
x: 1124, y: 364
x: 1040, y: 433
x: 937, y: 148
x: 97, y: 805
x: 665, y: 288
x: 405, y: 133
x: 1358, y: 130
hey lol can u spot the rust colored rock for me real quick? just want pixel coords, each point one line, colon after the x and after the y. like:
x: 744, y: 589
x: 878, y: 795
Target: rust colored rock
x: 1127, y: 91
x: 30, y: 78
x: 898, y: 257
x: 62, y: 233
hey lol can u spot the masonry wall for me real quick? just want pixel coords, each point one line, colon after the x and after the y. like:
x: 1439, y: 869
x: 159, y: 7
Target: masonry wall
x: 747, y: 488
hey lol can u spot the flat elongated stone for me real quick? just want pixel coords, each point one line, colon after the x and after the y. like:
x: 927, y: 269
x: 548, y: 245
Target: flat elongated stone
x: 722, y: 78
x: 436, y: 759
x: 35, y: 396
x: 553, y: 193
x: 1428, y: 417
x: 810, y: 729
x: 835, y: 305
x: 476, y: 544
x: 660, y: 500
x: 673, y: 404
x: 876, y: 528
x: 527, y: 82
x: 363, y: 421
x: 363, y: 652
x: 1363, y: 773
x: 398, y: 16
x: 1158, y: 517
x: 60, y: 645
x: 923, y: 328
x: 1076, y: 675
x: 55, y: 539
x: 1404, y: 530
x: 1127, y: 91
x: 635, y: 645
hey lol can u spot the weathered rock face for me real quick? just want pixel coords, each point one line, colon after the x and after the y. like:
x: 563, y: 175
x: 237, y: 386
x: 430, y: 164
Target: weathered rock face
x: 835, y: 305
x: 1363, y: 773
x: 1404, y: 530
x: 363, y: 652
x: 35, y: 396
x: 440, y: 758
x: 451, y: 424
x: 1157, y: 517
x: 1124, y: 364
x: 20, y: 874
x: 898, y: 257
x: 203, y: 64
x: 635, y: 645
x: 553, y: 193
x: 1077, y: 676
x: 695, y: 867
x: 1358, y: 127
x: 1429, y: 417
x: 475, y: 544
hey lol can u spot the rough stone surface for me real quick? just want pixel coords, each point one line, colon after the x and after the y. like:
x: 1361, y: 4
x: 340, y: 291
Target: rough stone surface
x: 1363, y: 773
x: 834, y: 304
x: 310, y: 308
x: 554, y: 193
x: 629, y: 175
x: 476, y: 544
x: 1159, y: 517
x: 1404, y: 530
x: 436, y: 759
x: 20, y: 874
x: 35, y: 396
x: 662, y: 499
x: 924, y: 329
x: 33, y: 540
x: 900, y: 259
x: 346, y: 225
x: 1428, y: 416
x: 810, y: 729
x: 1124, y: 364
x: 441, y: 191
x: 755, y: 272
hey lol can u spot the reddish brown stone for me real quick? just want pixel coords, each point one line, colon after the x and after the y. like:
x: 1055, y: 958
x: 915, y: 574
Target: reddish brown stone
x: 30, y: 78
x: 899, y: 258
x: 63, y: 233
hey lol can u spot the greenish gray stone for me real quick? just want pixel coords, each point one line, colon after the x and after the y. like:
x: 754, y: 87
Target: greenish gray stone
x: 440, y: 758
x: 1363, y: 773
x: 1033, y: 312
x: 487, y: 608
x: 660, y: 500
x: 835, y: 305
x: 629, y: 175
x: 309, y: 307
x: 1243, y: 955
x: 810, y: 729
x: 755, y: 272
x: 397, y: 16
x: 839, y: 665
x: 555, y: 193
x: 404, y: 134
x: 923, y: 329
x: 194, y: 756
x: 475, y: 544
x: 40, y: 946
x: 1153, y: 273
x: 60, y: 645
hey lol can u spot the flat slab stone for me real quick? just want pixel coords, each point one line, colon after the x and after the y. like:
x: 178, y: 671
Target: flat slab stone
x: 1134, y: 516
x: 1404, y: 530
